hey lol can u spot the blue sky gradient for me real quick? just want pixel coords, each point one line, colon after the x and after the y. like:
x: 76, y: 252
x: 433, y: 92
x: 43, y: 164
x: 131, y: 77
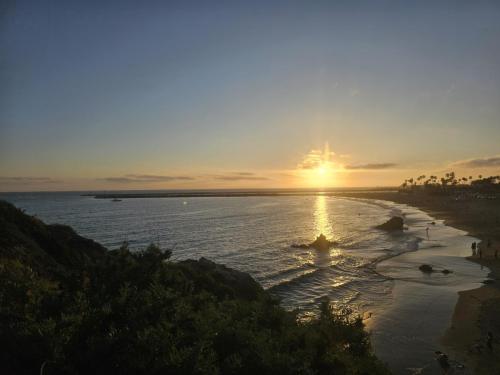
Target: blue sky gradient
x: 92, y: 90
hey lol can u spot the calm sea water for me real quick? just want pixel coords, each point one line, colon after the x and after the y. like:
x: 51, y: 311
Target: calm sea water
x: 252, y: 234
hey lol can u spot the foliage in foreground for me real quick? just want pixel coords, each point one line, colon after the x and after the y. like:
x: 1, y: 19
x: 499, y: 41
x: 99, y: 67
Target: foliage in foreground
x: 136, y: 312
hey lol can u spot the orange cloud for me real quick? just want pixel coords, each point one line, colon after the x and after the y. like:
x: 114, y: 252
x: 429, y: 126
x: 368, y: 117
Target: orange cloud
x: 317, y: 158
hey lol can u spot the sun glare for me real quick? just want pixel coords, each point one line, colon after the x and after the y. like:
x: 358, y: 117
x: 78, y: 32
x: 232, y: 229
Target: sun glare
x: 318, y: 169
x: 321, y: 176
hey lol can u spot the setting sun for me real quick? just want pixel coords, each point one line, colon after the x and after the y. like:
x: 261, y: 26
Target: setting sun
x: 318, y: 167
x: 320, y: 176
x: 324, y: 174
x: 321, y: 170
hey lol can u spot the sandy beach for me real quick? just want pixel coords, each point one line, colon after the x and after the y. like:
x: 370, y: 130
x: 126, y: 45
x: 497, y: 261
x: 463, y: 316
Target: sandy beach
x: 477, y: 312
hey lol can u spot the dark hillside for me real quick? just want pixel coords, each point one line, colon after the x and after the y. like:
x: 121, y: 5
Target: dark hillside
x: 46, y: 248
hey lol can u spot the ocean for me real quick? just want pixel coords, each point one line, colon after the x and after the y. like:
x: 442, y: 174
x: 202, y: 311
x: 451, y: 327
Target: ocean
x: 251, y: 234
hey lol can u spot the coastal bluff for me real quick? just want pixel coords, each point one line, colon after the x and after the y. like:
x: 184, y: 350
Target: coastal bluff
x: 48, y: 249
x: 69, y: 305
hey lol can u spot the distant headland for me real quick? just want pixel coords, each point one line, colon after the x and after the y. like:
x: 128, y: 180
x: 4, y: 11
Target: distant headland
x: 231, y: 193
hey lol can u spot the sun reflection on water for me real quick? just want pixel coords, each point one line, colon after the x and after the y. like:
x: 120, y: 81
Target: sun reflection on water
x: 323, y: 225
x: 321, y: 221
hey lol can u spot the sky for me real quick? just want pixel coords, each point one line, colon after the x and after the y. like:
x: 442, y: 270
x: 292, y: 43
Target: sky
x: 104, y: 95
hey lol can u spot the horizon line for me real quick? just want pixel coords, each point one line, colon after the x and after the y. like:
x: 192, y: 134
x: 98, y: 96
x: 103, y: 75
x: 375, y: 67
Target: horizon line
x: 98, y: 191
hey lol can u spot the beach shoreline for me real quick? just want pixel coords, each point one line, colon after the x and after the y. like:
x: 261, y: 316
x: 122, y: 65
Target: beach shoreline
x: 477, y: 311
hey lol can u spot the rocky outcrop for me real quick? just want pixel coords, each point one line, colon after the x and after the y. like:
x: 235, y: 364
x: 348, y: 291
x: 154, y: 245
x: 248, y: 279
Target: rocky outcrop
x: 395, y: 223
x: 426, y: 268
x: 320, y: 243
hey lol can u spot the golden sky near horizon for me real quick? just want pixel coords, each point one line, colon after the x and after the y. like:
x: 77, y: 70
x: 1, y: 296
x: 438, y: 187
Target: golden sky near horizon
x: 318, y: 168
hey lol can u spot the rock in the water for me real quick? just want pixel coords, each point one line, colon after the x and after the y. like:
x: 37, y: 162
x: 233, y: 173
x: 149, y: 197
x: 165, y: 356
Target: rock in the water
x: 394, y: 223
x: 426, y: 268
x: 321, y: 243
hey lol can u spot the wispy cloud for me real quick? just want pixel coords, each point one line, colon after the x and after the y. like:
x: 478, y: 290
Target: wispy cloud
x: 371, y: 166
x: 326, y: 158
x: 144, y: 178
x: 27, y: 180
x: 147, y: 178
x: 490, y: 162
x: 156, y: 178
x: 244, y: 173
x: 239, y: 176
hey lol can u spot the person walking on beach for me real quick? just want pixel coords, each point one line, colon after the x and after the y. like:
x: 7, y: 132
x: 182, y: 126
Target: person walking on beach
x: 427, y: 231
x: 489, y: 341
x: 473, y: 247
x: 442, y: 359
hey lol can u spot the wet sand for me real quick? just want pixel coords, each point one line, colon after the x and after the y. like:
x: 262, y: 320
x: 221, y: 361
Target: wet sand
x: 408, y: 330
x: 477, y: 311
